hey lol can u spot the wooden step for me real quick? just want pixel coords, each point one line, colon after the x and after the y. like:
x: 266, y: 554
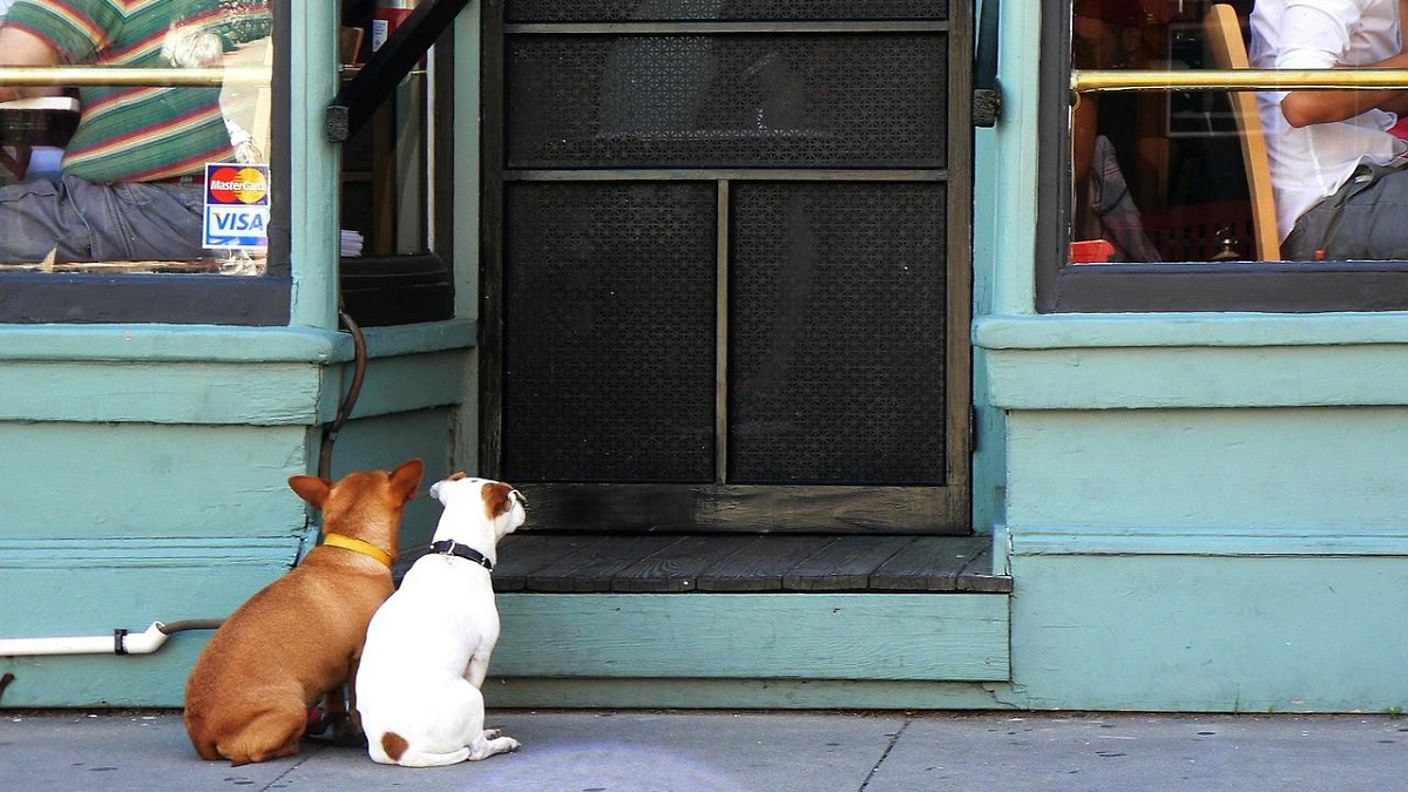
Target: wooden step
x: 683, y: 563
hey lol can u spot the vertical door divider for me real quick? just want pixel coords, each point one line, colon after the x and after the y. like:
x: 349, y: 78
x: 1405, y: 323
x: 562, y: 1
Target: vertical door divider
x: 721, y: 342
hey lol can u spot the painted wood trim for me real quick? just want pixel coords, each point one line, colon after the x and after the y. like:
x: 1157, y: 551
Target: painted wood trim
x: 399, y: 384
x: 206, y: 343
x: 100, y: 481
x: 159, y: 681
x: 170, y: 344
x: 1194, y: 377
x: 147, y: 552
x: 1066, y: 331
x: 949, y: 637
x: 415, y: 338
x: 1160, y: 633
x: 168, y: 393
x: 1240, y: 541
x: 748, y: 694
x: 314, y: 180
x: 266, y: 387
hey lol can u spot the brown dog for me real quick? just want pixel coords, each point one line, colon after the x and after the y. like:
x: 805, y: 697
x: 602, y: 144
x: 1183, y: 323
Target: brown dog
x: 300, y: 637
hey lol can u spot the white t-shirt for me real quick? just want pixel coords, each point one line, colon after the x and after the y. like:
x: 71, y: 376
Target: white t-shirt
x: 1311, y: 162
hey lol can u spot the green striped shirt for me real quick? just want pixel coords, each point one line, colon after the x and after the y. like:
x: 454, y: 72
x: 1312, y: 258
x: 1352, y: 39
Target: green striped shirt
x: 144, y: 134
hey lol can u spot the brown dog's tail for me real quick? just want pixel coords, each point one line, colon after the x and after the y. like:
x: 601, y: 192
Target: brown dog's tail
x: 394, y: 745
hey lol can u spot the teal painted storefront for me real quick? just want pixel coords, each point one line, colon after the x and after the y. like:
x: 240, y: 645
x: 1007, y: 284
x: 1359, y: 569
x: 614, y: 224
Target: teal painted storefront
x: 1198, y: 511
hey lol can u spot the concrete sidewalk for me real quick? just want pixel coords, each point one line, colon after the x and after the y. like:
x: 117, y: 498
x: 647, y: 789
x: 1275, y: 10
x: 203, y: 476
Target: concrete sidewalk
x: 762, y: 752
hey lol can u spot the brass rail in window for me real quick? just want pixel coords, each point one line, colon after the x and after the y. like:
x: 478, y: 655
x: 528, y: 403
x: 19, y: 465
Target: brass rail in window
x: 1110, y: 80
x: 120, y: 76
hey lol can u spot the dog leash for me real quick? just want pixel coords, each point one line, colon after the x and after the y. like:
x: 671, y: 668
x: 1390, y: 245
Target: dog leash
x: 358, y: 546
x: 449, y: 547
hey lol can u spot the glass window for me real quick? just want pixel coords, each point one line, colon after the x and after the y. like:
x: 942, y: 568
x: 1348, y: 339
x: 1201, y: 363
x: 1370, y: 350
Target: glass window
x: 1157, y: 175
x: 384, y: 166
x: 159, y: 162
x: 1182, y: 193
x: 395, y: 178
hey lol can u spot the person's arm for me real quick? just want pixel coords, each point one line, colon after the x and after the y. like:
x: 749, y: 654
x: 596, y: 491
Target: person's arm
x: 1303, y: 108
x: 1316, y: 38
x: 19, y: 47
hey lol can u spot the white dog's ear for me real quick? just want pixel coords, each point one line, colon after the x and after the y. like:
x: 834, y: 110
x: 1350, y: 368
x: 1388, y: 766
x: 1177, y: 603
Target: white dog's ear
x: 435, y: 491
x: 497, y: 500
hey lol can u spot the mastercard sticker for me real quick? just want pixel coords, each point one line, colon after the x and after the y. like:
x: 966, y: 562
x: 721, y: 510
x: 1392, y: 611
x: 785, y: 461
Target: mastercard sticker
x: 236, y: 206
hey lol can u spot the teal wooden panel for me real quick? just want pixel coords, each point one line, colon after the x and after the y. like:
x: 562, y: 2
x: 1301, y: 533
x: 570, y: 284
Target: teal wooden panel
x: 1210, y: 634
x: 847, y: 694
x: 78, y: 556
x: 81, y: 480
x: 1291, y: 470
x: 182, y: 392
x: 1009, y: 164
x: 169, y: 343
x: 946, y: 637
x: 313, y: 168
x: 388, y: 440
x: 1155, y: 377
x: 209, y: 343
x: 383, y: 342
x: 399, y: 384
x: 1251, y: 541
x: 1091, y: 331
x: 989, y: 474
x: 83, y: 600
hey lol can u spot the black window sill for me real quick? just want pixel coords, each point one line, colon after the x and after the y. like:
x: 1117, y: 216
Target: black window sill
x: 44, y: 298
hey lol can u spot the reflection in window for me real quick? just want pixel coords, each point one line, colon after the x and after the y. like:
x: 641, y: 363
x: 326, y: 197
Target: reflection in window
x: 1158, y: 176
x: 113, y: 178
x: 1301, y: 175
x: 386, y: 188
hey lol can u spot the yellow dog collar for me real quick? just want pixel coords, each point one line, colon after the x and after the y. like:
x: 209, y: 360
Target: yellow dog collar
x: 358, y: 546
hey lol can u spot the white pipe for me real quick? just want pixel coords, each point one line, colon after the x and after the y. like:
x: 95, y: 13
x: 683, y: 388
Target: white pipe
x: 120, y: 642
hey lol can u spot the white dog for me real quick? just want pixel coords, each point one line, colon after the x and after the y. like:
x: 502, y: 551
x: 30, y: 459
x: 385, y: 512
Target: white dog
x: 428, y: 646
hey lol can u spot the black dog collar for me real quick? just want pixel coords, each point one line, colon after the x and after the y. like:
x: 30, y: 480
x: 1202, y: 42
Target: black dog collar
x: 449, y: 547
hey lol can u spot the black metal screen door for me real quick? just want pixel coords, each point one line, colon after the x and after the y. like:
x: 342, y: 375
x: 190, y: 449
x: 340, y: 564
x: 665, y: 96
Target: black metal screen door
x: 726, y: 263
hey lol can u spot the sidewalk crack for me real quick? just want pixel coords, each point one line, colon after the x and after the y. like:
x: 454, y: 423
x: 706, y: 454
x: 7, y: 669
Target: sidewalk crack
x: 303, y: 756
x: 886, y: 754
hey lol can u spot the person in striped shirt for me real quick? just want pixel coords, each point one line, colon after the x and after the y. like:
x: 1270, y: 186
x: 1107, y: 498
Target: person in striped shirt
x: 131, y: 177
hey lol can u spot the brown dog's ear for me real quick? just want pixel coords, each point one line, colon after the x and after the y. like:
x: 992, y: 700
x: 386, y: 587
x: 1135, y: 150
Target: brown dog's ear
x: 405, y: 479
x: 311, y: 488
x: 496, y: 499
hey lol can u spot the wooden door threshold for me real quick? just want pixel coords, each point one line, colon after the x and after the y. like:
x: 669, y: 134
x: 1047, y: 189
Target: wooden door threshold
x: 732, y: 563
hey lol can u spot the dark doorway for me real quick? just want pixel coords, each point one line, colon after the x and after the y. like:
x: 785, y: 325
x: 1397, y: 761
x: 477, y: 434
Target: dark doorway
x: 727, y: 264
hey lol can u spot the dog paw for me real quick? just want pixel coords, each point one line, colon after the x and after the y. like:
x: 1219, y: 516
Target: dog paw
x: 493, y: 734
x: 513, y: 745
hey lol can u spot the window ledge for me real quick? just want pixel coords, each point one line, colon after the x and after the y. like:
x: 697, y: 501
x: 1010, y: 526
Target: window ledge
x: 211, y: 343
x: 1191, y: 361
x: 1068, y: 331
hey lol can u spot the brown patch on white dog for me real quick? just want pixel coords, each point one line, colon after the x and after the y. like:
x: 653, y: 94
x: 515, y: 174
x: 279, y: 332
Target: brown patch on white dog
x: 394, y: 745
x: 496, y: 499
